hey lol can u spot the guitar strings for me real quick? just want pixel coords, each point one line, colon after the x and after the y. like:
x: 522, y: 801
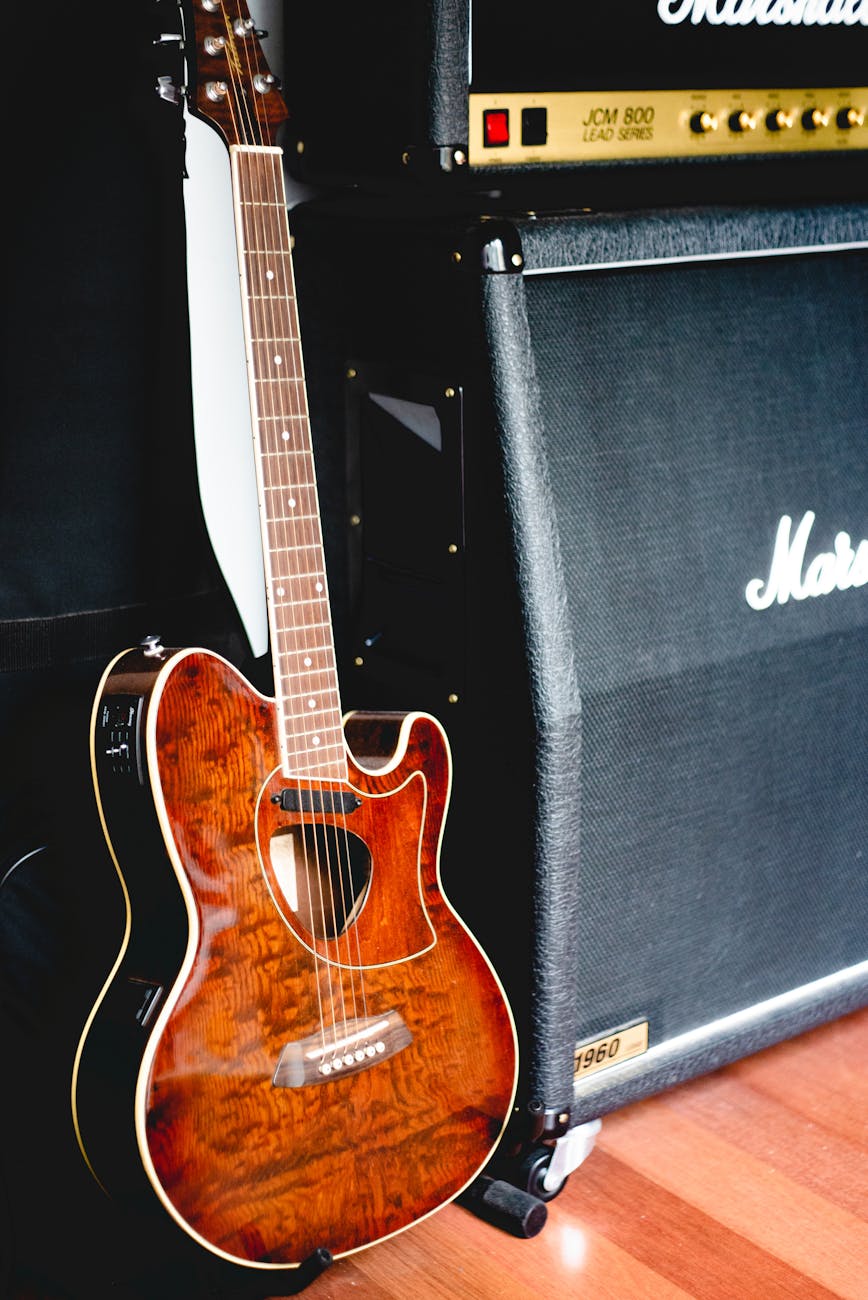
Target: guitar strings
x: 310, y: 530
x: 247, y: 175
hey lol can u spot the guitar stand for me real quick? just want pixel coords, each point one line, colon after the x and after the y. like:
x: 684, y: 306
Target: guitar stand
x: 310, y: 1269
x: 289, y: 1283
x: 505, y: 1206
x: 306, y: 1273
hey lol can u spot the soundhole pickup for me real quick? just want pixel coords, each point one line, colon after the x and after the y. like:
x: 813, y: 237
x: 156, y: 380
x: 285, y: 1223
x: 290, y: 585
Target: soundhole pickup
x: 341, y: 1049
x: 317, y: 801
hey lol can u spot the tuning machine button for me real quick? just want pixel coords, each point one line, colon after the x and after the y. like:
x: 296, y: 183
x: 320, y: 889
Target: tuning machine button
x: 152, y: 646
x: 266, y: 81
x: 168, y: 89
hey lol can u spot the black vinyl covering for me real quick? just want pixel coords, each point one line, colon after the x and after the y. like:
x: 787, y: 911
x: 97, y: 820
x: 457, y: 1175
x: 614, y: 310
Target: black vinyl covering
x: 667, y: 784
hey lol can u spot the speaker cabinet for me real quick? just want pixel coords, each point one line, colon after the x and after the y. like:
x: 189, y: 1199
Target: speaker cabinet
x: 597, y: 488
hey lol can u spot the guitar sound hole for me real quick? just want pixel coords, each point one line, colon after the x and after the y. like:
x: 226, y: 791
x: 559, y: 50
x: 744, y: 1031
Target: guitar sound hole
x: 324, y: 872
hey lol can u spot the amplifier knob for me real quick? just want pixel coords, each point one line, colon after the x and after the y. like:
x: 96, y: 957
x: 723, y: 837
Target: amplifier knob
x: 850, y: 117
x: 814, y: 118
x: 702, y: 123
x: 779, y: 119
x: 741, y: 121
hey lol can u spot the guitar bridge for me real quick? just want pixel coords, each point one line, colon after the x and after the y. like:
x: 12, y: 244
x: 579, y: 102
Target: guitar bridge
x: 356, y: 1045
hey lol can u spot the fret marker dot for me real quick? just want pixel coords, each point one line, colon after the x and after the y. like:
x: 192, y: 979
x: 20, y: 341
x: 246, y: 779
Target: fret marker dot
x: 319, y: 586
x: 308, y: 661
x: 285, y: 435
x: 281, y: 591
x: 316, y: 740
x: 291, y: 503
x: 311, y: 704
x: 278, y: 360
x: 269, y: 275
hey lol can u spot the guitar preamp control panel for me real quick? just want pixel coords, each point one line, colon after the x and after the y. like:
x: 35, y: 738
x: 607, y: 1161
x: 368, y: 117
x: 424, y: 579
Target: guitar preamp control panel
x: 117, y: 737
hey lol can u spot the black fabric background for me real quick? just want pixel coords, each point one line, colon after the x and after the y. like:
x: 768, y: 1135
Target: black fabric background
x: 99, y: 514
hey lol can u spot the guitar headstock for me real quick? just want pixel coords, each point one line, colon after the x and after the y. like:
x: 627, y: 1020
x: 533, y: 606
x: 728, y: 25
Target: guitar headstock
x: 230, y: 83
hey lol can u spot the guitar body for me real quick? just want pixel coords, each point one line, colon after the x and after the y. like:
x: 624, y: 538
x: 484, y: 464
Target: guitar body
x: 300, y: 1044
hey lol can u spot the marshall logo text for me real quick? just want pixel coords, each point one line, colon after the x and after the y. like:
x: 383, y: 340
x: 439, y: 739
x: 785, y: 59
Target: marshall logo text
x: 837, y: 570
x: 783, y: 13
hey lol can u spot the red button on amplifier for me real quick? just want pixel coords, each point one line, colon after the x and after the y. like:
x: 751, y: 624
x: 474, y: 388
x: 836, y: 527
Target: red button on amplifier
x: 495, y: 127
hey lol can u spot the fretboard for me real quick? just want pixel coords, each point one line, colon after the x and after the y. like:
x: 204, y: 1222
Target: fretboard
x: 305, y: 672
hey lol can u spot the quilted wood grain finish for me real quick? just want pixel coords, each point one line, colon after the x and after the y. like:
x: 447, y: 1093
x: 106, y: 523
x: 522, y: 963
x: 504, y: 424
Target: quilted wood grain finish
x: 261, y: 1173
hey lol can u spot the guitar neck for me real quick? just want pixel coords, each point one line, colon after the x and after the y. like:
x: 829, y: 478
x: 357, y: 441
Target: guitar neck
x: 305, y: 671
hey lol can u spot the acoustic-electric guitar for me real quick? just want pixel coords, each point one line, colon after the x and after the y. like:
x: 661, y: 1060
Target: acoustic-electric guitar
x: 300, y: 1045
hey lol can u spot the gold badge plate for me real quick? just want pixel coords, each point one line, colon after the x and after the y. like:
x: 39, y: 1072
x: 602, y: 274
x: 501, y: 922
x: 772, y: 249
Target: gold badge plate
x: 601, y: 1053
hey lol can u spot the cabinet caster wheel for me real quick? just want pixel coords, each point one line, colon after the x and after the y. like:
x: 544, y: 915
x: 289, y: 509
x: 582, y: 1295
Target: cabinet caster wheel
x: 531, y: 1172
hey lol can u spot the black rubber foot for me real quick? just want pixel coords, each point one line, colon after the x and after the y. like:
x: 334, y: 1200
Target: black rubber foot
x: 505, y: 1206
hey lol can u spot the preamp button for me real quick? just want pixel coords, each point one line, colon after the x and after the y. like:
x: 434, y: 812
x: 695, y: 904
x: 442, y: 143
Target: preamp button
x: 495, y: 127
x: 534, y: 126
x: 814, y: 118
x: 849, y: 117
x: 703, y: 123
x: 741, y: 121
x: 779, y: 119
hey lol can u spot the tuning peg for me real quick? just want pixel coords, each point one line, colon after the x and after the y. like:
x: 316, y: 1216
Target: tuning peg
x: 265, y: 82
x: 169, y: 38
x: 168, y: 90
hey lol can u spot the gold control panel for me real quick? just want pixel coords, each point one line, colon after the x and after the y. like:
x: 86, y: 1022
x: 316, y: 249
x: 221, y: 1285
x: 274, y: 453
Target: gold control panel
x: 588, y: 126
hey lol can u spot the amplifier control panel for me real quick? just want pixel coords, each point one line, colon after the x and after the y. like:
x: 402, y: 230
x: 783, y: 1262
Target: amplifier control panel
x: 555, y: 127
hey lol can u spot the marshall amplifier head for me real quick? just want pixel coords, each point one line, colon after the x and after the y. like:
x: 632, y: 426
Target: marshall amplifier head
x: 472, y: 90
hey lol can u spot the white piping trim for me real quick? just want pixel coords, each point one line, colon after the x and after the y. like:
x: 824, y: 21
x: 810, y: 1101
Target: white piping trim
x: 738, y: 254
x: 727, y: 1025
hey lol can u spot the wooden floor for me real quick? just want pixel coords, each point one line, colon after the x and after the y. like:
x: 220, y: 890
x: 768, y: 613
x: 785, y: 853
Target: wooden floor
x: 751, y: 1182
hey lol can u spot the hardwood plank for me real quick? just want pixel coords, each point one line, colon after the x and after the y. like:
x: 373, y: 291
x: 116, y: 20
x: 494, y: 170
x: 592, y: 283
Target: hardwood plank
x: 821, y: 1076
x: 743, y: 1193
x: 687, y: 1246
x: 834, y: 1167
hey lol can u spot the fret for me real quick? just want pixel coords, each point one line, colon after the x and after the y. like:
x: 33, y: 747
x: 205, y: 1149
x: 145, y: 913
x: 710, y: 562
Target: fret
x: 317, y: 738
x: 249, y: 251
x: 311, y: 546
x: 288, y: 487
x: 296, y: 517
x: 298, y: 577
x: 307, y: 651
x: 309, y: 625
x: 307, y: 695
x: 313, y: 750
